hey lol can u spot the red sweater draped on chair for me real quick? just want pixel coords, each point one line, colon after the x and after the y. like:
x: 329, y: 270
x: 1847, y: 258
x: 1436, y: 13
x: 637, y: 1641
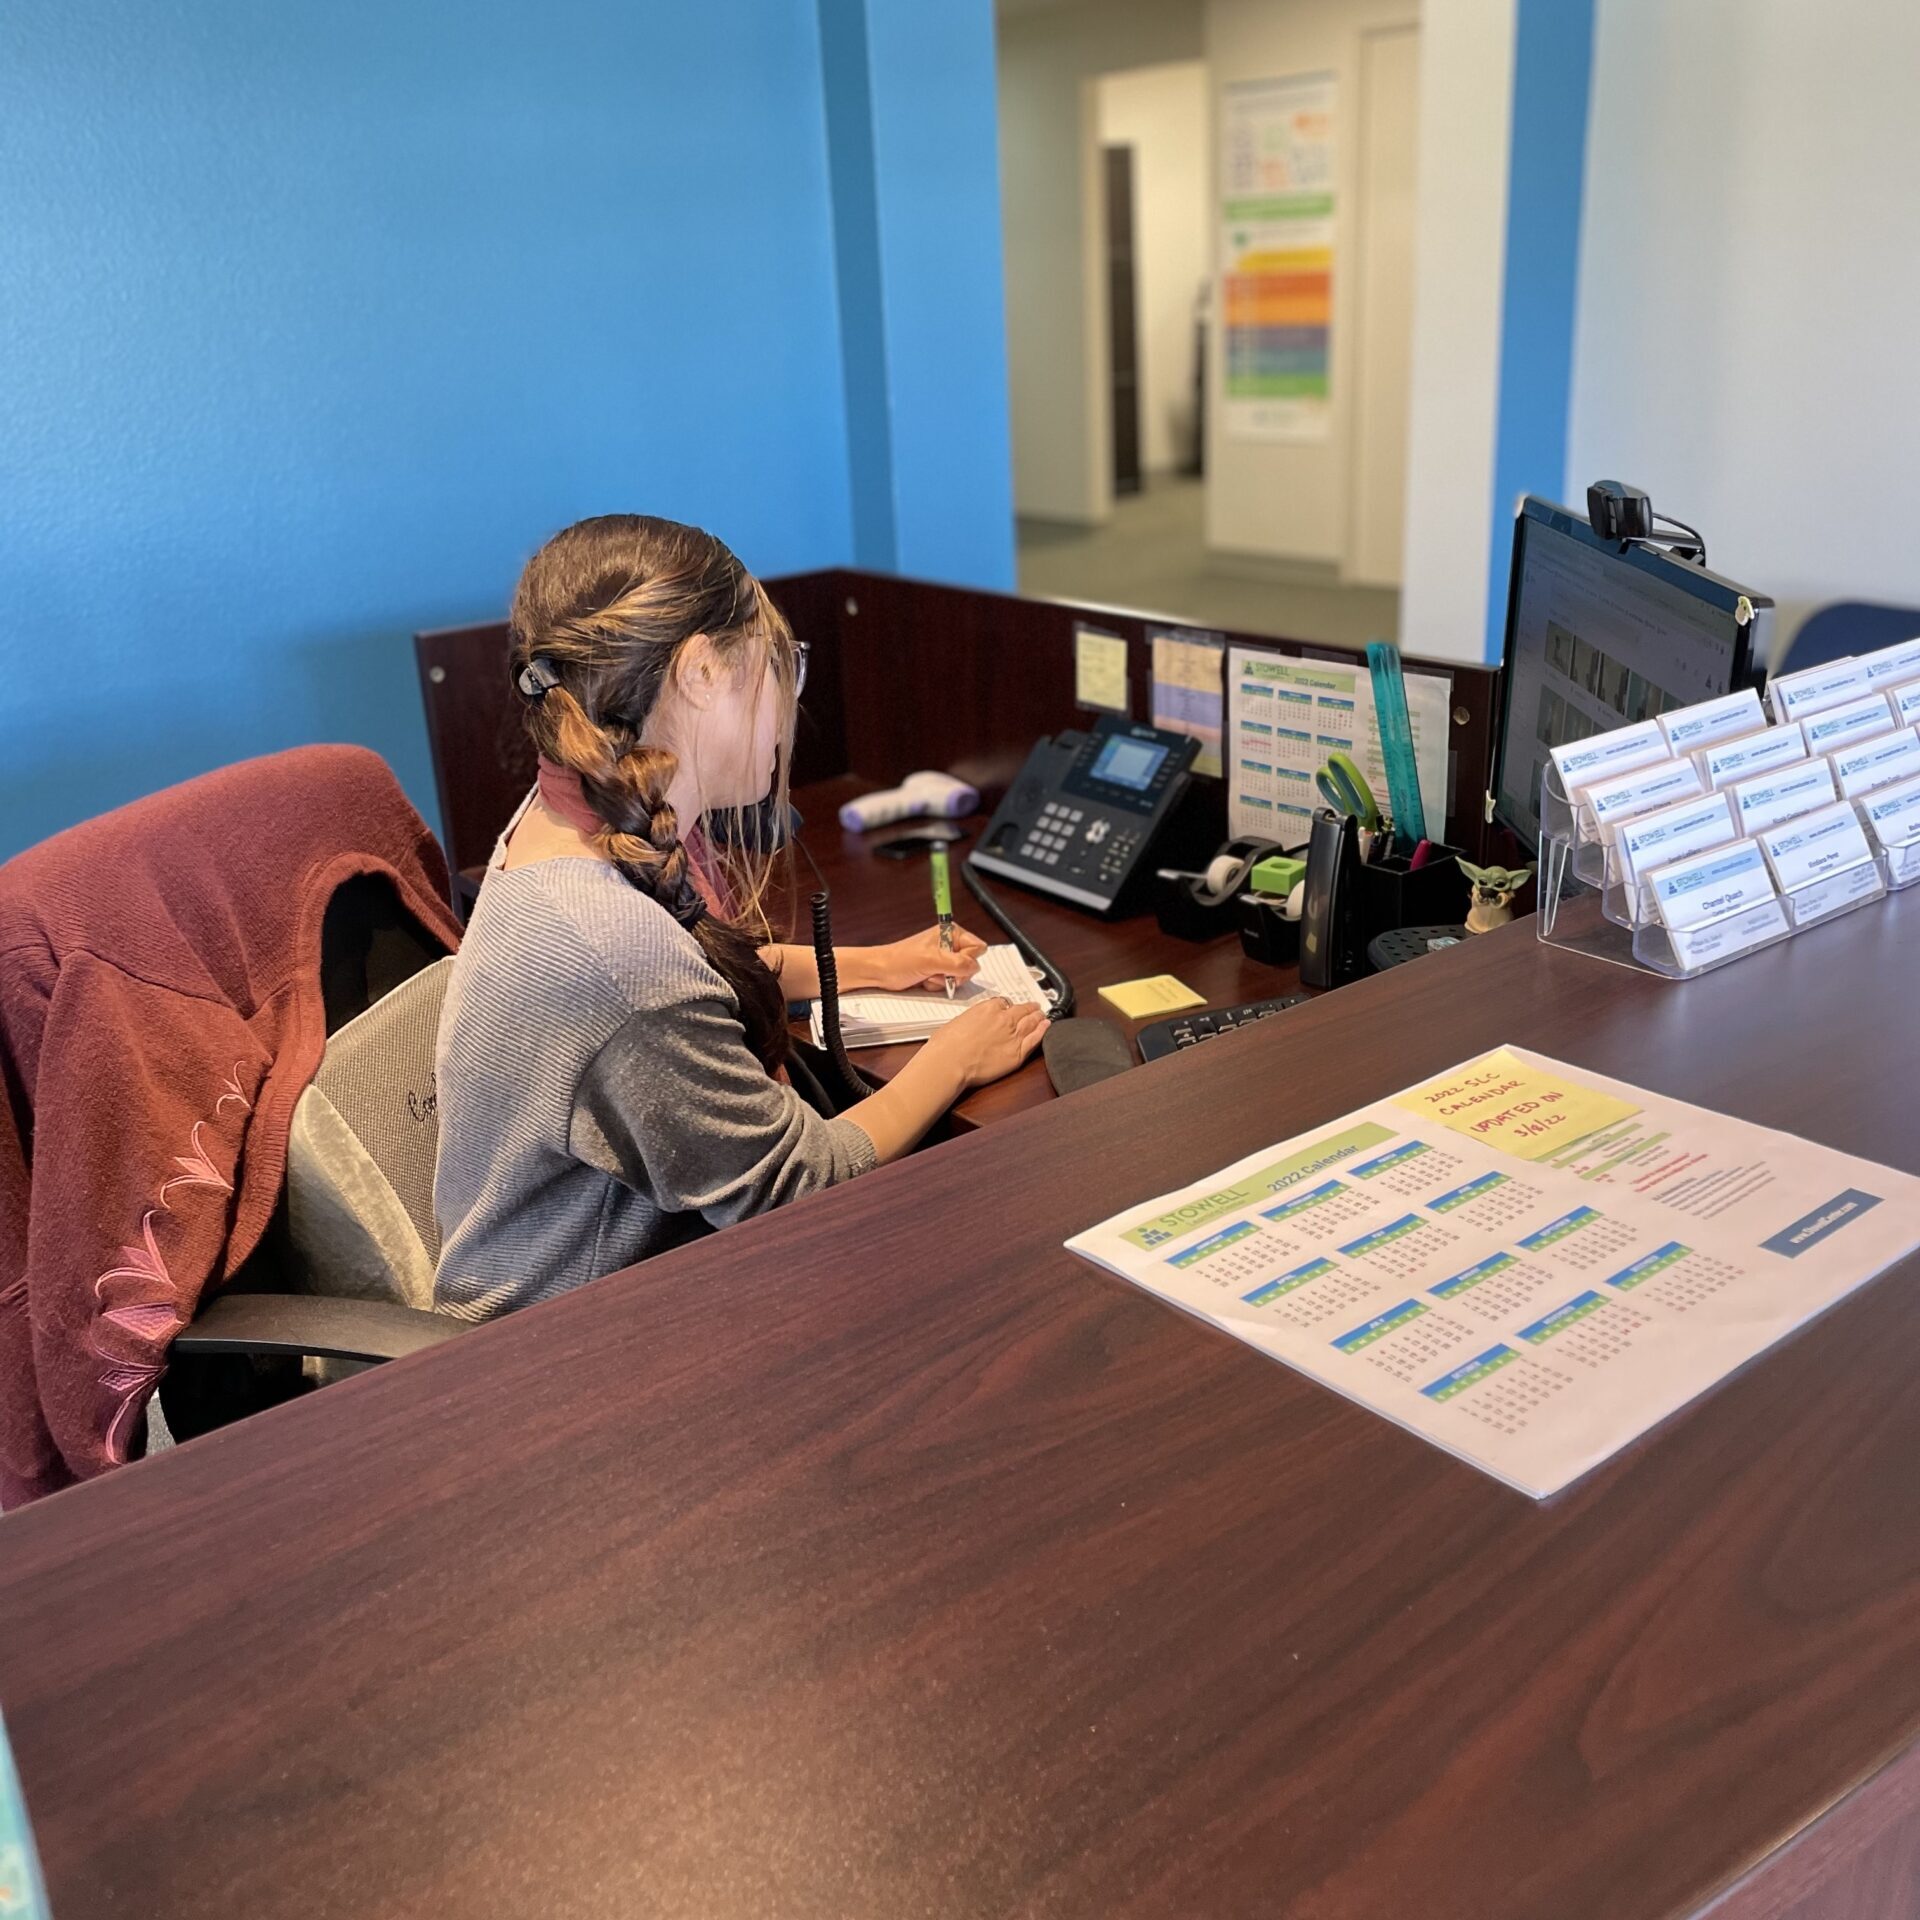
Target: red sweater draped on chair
x: 160, y: 1013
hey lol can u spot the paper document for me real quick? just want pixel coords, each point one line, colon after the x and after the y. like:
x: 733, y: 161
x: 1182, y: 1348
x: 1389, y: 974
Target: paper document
x: 1099, y: 669
x: 1525, y: 1263
x: 884, y: 1019
x: 1285, y: 716
x: 1186, y: 689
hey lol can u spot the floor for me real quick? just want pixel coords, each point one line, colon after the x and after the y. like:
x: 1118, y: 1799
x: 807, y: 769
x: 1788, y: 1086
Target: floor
x: 1151, y: 557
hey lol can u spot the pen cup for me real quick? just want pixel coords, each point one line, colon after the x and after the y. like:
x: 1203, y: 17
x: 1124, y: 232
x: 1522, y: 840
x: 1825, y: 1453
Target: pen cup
x: 1392, y: 895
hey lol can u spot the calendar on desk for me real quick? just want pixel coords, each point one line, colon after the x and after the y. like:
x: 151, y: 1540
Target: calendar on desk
x: 1501, y: 1388
x: 1497, y: 1287
x: 1518, y: 1261
x: 1588, y: 1329
x: 1491, y: 1202
x: 1677, y: 1276
x: 1408, y: 1340
x: 1311, y: 1294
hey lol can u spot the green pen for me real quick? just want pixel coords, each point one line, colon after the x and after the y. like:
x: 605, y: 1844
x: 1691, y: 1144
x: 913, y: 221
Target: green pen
x: 943, y: 902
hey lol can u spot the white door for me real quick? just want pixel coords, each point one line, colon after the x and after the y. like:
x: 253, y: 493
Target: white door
x: 1389, y: 96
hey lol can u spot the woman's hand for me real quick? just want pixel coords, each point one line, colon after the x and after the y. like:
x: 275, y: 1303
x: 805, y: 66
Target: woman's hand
x: 986, y: 1041
x: 923, y: 962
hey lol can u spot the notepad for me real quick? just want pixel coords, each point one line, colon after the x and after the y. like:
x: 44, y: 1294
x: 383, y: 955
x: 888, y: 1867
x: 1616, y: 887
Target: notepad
x: 1159, y: 993
x: 888, y: 1019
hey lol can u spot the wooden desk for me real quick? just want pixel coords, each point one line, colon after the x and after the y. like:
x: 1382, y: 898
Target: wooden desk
x: 878, y: 1557
x: 876, y: 900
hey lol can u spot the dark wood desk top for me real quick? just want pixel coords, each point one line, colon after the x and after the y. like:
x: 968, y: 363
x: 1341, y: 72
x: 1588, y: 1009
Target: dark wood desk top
x: 878, y: 1557
x: 876, y: 899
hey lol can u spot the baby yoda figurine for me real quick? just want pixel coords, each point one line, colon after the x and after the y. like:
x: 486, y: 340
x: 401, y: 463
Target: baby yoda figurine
x: 1493, y: 892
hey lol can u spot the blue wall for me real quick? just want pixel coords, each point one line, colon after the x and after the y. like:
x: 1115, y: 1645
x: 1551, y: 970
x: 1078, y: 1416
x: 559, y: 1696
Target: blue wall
x: 1546, y: 186
x: 912, y: 119
x: 863, y: 328
x: 321, y: 315
x: 937, y: 174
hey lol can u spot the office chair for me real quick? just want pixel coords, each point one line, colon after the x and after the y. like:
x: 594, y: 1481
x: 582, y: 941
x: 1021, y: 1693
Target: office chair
x: 360, y: 1155
x: 344, y: 1275
x: 1847, y: 627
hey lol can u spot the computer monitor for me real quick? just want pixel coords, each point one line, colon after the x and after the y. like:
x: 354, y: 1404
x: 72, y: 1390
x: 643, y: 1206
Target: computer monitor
x: 1600, y: 635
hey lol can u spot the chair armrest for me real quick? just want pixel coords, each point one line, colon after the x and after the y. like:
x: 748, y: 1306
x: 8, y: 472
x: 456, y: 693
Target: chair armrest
x: 311, y: 1323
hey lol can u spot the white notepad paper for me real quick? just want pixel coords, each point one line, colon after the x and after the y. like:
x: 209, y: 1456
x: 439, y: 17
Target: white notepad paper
x: 887, y: 1019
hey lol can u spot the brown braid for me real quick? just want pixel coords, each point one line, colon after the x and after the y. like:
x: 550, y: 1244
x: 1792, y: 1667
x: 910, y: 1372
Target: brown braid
x: 606, y: 606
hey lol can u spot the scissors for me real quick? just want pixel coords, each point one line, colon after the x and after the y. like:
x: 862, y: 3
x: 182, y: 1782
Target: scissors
x: 1344, y: 788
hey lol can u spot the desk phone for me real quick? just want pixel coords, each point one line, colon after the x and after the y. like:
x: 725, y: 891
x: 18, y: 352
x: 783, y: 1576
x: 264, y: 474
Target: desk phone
x: 1080, y: 821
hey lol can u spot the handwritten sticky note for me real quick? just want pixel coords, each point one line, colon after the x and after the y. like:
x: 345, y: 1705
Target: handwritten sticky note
x: 1505, y: 1103
x: 1100, y: 669
x: 1140, y: 999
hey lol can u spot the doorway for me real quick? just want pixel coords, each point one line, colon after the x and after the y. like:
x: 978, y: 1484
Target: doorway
x: 1123, y: 342
x: 1139, y: 481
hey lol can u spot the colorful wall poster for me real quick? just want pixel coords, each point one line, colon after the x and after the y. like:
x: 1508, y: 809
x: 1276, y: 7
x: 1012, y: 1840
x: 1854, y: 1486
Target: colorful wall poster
x: 1276, y: 256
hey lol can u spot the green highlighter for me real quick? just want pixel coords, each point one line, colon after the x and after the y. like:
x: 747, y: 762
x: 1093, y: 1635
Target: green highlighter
x: 943, y: 902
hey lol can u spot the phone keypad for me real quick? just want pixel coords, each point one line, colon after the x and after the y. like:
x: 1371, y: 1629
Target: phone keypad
x: 1055, y: 834
x: 1098, y: 849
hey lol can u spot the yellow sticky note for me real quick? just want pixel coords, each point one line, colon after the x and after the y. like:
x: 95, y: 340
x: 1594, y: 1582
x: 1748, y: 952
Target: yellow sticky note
x: 1099, y: 669
x: 1510, y: 1104
x: 1161, y: 994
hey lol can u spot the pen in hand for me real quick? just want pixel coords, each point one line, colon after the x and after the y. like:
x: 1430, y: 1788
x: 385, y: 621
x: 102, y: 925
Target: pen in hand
x: 943, y: 903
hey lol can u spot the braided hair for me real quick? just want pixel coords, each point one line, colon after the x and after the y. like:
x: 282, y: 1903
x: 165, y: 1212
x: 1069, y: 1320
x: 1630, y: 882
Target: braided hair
x: 600, y: 615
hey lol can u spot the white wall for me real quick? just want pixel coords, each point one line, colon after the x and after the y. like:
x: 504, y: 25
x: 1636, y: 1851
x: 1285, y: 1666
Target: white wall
x: 1161, y: 113
x: 1466, y: 91
x: 1388, y: 137
x: 1275, y: 498
x: 1749, y: 302
x: 1056, y: 319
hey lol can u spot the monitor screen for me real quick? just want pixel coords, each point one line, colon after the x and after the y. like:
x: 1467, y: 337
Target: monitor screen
x: 1129, y: 763
x: 1599, y: 638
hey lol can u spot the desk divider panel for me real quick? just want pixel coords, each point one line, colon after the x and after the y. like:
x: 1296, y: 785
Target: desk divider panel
x: 965, y: 681
x: 902, y: 674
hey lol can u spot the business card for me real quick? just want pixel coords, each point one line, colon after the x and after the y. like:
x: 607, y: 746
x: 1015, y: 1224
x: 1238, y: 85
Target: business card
x: 1612, y: 801
x: 1751, y: 753
x: 1882, y: 761
x: 1581, y: 762
x: 1890, y: 665
x: 1653, y: 839
x: 1800, y: 695
x: 1722, y: 939
x: 1905, y: 702
x: 1824, y: 897
x: 1816, y: 846
x: 1690, y: 728
x: 1772, y: 797
x: 1894, y: 815
x: 1708, y: 886
x: 1843, y: 725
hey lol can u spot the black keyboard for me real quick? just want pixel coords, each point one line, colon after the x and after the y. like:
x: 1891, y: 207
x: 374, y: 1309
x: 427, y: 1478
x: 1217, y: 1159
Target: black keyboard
x: 1189, y: 1029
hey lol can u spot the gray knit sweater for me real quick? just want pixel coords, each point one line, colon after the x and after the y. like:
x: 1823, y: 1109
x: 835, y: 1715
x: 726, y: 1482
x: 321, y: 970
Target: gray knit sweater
x: 597, y: 1097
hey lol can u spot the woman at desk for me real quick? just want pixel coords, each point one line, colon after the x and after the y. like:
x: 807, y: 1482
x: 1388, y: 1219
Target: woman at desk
x: 610, y: 1060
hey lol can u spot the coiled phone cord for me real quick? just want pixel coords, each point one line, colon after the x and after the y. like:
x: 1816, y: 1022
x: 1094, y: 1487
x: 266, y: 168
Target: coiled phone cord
x: 857, y: 1084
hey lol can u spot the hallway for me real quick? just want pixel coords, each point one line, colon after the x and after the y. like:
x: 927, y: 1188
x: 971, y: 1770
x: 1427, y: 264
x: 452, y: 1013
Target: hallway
x: 1151, y: 558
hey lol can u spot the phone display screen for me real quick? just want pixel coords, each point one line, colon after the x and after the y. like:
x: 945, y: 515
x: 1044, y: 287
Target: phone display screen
x: 1129, y: 763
